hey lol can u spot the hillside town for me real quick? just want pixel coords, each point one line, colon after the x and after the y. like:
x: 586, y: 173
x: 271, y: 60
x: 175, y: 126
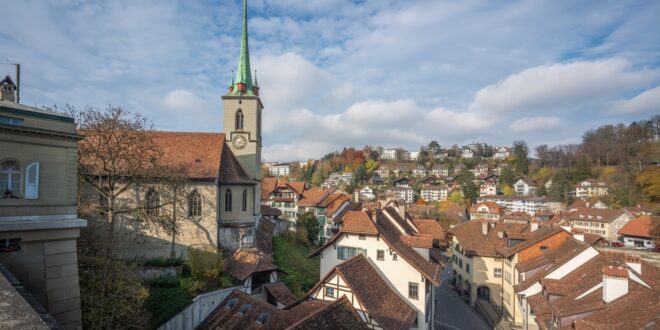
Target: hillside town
x: 109, y: 223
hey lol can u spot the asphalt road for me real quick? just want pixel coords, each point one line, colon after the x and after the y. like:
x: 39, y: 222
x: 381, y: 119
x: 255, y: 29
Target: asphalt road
x: 451, y: 312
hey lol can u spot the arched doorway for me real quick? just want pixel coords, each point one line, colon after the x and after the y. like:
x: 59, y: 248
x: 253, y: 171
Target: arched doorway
x: 483, y: 292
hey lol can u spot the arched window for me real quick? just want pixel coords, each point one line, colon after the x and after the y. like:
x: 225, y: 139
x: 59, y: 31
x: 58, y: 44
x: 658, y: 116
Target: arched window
x: 194, y: 204
x: 10, y: 178
x: 152, y: 202
x: 245, y: 197
x: 32, y: 181
x: 239, y: 119
x: 228, y: 200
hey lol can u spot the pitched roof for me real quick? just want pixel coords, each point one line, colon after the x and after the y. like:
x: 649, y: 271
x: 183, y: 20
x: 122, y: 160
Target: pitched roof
x: 473, y: 241
x: 245, y: 262
x: 534, y: 237
x: 430, y: 227
x: 418, y: 241
x: 281, y: 292
x: 374, y: 293
x: 267, y: 186
x: 230, y: 170
x: 339, y: 314
x: 358, y: 222
x: 240, y: 311
x: 493, y: 208
x: 596, y: 215
x: 639, y: 227
x: 312, y: 197
x: 569, y: 247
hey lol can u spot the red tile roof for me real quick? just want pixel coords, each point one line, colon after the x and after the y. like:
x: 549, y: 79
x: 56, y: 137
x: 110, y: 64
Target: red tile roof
x: 615, y: 271
x: 358, y: 222
x: 640, y: 227
x: 375, y: 295
x: 430, y: 227
x: 245, y: 262
x: 596, y: 215
x: 281, y: 293
x: 337, y: 315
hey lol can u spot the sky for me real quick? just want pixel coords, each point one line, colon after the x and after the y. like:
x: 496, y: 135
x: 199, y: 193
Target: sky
x: 336, y: 73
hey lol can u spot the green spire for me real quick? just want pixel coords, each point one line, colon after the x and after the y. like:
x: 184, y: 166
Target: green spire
x: 243, y: 75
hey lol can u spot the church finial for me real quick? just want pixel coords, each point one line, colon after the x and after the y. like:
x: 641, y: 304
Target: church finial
x: 243, y: 75
x: 256, y: 83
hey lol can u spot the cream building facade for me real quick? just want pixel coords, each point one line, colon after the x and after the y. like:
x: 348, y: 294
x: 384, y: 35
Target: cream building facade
x: 39, y: 226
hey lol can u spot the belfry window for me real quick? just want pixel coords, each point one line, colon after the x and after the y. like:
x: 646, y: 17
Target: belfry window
x: 228, y: 200
x: 239, y: 119
x: 245, y: 197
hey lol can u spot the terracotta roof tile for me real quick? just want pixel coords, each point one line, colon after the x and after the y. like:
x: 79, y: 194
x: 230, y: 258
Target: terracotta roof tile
x: 339, y: 315
x: 281, y: 292
x: 245, y: 262
x: 312, y: 197
x: 430, y: 227
x: 379, y: 299
x: 358, y: 222
x: 470, y: 236
x: 418, y: 241
x: 267, y: 186
x: 639, y: 227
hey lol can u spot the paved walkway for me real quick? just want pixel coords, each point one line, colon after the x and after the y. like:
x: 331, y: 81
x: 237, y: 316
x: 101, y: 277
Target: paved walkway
x: 451, y: 312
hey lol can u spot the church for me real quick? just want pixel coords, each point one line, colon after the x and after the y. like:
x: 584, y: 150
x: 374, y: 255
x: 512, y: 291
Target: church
x: 221, y: 205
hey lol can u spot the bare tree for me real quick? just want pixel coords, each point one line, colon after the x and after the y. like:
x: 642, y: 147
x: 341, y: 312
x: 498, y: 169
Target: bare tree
x: 115, y: 156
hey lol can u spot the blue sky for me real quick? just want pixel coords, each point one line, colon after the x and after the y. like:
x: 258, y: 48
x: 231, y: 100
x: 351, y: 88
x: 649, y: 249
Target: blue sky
x: 337, y: 73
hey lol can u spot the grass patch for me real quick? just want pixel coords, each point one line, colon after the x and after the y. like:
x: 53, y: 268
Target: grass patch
x: 301, y: 272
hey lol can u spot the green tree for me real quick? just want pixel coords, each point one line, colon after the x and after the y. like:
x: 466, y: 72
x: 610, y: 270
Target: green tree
x: 522, y: 162
x: 456, y: 198
x: 371, y: 165
x: 507, y: 190
x: 507, y: 176
x: 310, y: 223
x: 360, y: 175
x: 649, y: 181
x: 541, y: 190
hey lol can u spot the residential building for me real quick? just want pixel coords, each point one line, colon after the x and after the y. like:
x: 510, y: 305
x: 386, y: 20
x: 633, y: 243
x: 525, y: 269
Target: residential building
x: 525, y: 187
x: 384, y: 170
x: 405, y: 194
x: 367, y: 193
x: 435, y: 193
x: 419, y: 171
x: 502, y: 153
x: 440, y: 170
x: 338, y: 179
x: 398, y: 261
x: 401, y: 182
x: 243, y: 311
x: 516, y: 217
x: 584, y: 288
x: 477, y: 267
x: 467, y: 153
x: 395, y: 154
x: 637, y: 232
x: 481, y: 170
x: 278, y: 170
x: 39, y: 224
x: 528, y: 204
x: 583, y: 202
x: 488, y: 188
x: 414, y: 155
x: 283, y: 196
x: 489, y: 211
x: 603, y: 222
x: 591, y: 188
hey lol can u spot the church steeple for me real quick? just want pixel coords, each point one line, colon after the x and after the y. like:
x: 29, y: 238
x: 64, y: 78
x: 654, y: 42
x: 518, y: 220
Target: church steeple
x: 243, y: 82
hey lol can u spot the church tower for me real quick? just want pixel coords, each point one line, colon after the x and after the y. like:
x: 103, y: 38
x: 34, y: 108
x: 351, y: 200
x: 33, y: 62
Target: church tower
x: 242, y: 111
x: 239, y: 188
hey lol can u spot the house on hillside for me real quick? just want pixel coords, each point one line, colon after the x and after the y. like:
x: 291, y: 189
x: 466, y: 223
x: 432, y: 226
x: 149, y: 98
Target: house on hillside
x: 603, y: 222
x: 637, y: 233
x: 525, y: 187
x: 591, y: 188
x: 382, y: 251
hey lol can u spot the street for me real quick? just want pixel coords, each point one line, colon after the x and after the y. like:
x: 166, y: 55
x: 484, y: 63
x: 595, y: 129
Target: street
x: 451, y: 312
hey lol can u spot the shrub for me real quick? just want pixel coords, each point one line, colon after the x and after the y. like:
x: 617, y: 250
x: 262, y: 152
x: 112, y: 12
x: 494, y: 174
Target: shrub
x: 206, y: 267
x: 163, y: 262
x: 112, y: 296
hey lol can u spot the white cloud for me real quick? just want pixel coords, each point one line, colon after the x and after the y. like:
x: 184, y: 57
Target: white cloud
x: 646, y: 102
x: 181, y: 99
x: 560, y: 85
x: 535, y: 124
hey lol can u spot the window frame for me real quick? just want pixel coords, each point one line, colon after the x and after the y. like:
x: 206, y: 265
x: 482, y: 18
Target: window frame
x: 245, y: 200
x: 152, y: 196
x: 413, y: 290
x: 9, y: 174
x: 194, y: 204
x: 330, y: 290
x: 31, y: 188
x: 380, y: 255
x: 228, y: 200
x: 239, y: 118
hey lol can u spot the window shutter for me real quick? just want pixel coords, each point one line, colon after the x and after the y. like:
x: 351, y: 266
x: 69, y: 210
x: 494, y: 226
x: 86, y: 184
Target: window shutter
x: 32, y: 181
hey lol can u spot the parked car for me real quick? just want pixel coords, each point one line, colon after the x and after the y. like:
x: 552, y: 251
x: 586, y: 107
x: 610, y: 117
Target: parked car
x: 617, y: 244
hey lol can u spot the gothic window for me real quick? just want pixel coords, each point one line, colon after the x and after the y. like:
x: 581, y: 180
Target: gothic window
x: 239, y: 119
x: 228, y: 200
x: 245, y: 198
x: 10, y: 178
x: 194, y: 204
x: 152, y: 202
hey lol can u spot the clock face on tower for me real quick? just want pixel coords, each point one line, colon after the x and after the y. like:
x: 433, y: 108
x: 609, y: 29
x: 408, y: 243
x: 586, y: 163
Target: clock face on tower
x: 239, y: 141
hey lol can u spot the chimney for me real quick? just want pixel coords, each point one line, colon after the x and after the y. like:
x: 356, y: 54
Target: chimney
x: 500, y: 234
x: 635, y: 263
x: 356, y: 196
x: 484, y: 228
x: 615, y: 283
x: 533, y: 225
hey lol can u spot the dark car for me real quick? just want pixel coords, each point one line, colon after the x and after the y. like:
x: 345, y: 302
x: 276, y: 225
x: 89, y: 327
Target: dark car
x: 617, y: 244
